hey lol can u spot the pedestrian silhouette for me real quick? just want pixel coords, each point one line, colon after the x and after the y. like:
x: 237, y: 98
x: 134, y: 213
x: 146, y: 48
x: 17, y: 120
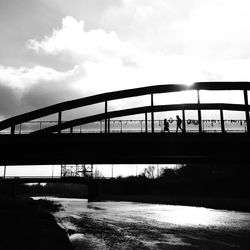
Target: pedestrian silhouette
x: 166, y: 126
x: 178, y: 124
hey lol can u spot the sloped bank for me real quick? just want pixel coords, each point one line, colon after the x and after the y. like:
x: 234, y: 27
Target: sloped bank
x: 28, y: 225
x: 216, y: 194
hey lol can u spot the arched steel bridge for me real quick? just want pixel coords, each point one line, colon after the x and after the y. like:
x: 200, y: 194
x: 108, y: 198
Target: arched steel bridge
x: 50, y: 145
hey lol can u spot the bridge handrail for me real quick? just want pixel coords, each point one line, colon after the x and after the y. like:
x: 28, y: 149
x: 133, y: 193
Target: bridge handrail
x: 122, y: 122
x: 140, y: 110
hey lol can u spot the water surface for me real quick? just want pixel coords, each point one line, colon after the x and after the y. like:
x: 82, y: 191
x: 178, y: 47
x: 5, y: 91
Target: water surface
x: 133, y: 225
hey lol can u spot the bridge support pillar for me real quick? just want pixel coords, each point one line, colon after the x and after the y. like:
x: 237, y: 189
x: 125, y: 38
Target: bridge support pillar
x: 94, y: 191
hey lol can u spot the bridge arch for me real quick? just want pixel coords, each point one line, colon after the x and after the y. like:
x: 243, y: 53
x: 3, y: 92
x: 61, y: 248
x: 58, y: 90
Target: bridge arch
x: 151, y: 108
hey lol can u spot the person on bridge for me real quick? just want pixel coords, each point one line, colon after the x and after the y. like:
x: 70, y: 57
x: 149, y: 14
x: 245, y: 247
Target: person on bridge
x: 178, y: 123
x: 166, y: 126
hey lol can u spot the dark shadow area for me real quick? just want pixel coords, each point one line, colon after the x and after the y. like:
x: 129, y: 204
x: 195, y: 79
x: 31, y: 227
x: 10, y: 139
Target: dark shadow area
x: 27, y: 224
x: 65, y: 190
x: 214, y: 186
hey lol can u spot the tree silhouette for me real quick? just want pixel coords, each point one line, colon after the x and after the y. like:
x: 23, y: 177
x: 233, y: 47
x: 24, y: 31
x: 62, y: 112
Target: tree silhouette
x: 149, y: 172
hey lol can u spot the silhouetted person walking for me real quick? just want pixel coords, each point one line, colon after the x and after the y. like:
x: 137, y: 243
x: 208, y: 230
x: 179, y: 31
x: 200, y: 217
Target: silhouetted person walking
x: 166, y: 126
x: 178, y: 125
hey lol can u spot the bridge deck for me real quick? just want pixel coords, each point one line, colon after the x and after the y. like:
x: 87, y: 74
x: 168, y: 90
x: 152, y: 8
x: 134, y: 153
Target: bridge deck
x: 124, y: 148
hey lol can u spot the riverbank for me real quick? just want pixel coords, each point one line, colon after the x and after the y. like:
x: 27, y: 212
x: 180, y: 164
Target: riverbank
x: 215, y: 202
x: 27, y: 224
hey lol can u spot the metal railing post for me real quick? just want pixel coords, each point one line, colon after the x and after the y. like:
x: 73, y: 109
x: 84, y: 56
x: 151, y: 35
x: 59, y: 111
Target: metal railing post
x: 59, y: 121
x: 184, y: 121
x: 4, y: 173
x: 12, y: 130
x: 222, y: 121
x: 152, y: 114
x: 146, y: 122
x: 61, y: 171
x: 199, y: 111
x: 106, y: 110
x: 247, y: 110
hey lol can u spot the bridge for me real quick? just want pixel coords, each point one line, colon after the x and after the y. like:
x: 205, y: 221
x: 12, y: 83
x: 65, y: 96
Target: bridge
x: 109, y: 138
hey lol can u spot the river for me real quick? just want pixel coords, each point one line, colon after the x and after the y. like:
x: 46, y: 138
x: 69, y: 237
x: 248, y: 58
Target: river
x: 133, y: 225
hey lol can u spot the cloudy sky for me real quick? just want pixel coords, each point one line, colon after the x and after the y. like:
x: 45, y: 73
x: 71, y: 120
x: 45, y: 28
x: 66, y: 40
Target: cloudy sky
x: 56, y: 50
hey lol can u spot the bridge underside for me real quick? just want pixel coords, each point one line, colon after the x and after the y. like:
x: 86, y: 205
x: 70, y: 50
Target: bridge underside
x: 137, y: 148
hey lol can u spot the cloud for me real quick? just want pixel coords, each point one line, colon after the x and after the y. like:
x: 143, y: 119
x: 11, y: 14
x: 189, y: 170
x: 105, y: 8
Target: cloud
x: 26, y: 89
x: 74, y: 42
x: 171, y: 38
x: 57, y: 88
x: 107, y: 60
x: 213, y: 30
x: 111, y: 63
x: 8, y: 101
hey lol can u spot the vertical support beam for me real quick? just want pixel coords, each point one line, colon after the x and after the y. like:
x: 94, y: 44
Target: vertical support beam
x: 12, y: 129
x: 59, y: 121
x: 4, y: 173
x: 152, y: 114
x: 247, y: 110
x: 71, y: 130
x: 91, y: 171
x: 199, y: 111
x: 222, y: 121
x: 146, y: 122
x: 184, y: 121
x: 108, y: 125
x: 52, y: 171
x: 106, y: 110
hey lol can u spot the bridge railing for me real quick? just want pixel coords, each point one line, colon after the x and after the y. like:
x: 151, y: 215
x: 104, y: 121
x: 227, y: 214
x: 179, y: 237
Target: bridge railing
x: 136, y: 126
